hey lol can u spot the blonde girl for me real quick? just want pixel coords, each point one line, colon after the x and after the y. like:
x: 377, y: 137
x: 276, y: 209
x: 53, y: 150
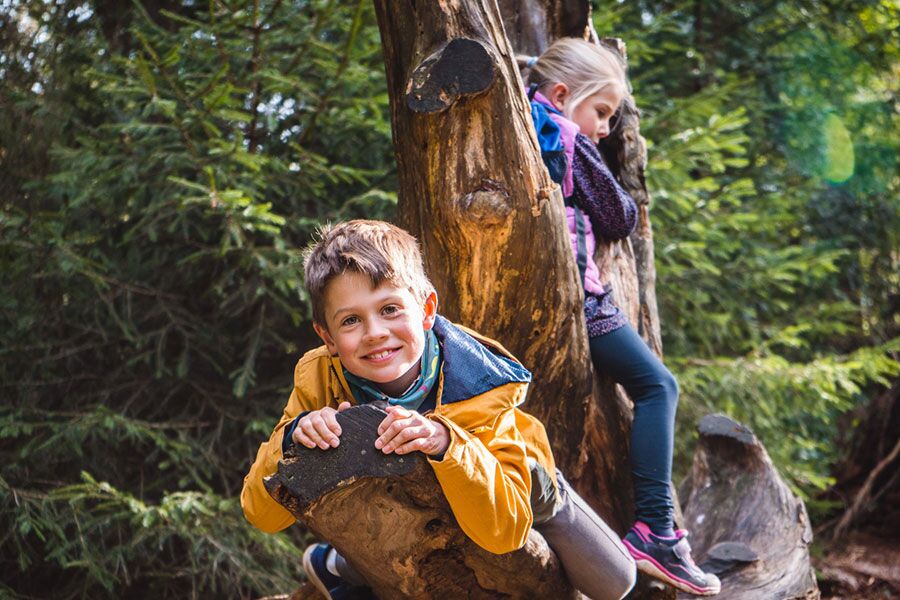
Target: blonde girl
x: 580, y: 86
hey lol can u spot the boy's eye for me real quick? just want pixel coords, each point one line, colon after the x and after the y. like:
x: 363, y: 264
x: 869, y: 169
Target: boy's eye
x: 351, y: 320
x: 390, y: 309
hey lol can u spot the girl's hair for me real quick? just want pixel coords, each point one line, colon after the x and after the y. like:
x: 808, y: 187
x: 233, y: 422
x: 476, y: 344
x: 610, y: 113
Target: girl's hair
x: 584, y: 67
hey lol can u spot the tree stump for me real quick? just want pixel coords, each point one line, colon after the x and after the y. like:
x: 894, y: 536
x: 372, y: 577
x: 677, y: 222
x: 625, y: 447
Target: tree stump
x: 748, y: 525
x: 387, y: 515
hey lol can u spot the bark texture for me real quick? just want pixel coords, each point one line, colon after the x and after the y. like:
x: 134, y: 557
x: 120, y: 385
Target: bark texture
x: 746, y: 523
x: 387, y: 516
x: 474, y: 191
x: 490, y: 221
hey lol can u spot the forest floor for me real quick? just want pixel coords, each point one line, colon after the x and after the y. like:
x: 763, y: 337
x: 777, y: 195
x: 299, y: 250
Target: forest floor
x: 864, y: 566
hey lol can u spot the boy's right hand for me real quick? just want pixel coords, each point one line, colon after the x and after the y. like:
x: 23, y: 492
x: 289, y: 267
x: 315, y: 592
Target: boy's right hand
x: 319, y: 428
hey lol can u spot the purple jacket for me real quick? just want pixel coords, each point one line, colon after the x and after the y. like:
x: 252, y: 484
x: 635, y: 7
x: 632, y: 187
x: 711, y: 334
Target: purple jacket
x: 607, y: 209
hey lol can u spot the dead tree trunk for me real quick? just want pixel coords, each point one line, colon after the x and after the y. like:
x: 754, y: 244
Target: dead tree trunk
x: 474, y: 191
x: 748, y: 525
x: 387, y: 515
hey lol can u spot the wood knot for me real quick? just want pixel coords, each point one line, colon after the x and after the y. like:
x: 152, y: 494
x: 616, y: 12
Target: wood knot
x: 487, y: 205
x: 461, y: 67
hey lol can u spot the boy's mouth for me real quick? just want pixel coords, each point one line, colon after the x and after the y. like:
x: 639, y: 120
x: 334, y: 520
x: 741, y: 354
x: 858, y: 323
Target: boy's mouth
x: 381, y: 355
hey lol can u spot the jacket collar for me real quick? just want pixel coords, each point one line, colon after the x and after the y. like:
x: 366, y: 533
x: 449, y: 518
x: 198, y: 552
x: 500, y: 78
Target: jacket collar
x: 471, y: 367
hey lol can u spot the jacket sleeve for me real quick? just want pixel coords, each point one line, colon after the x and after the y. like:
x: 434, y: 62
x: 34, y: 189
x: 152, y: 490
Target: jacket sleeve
x: 484, y: 472
x: 612, y: 210
x: 259, y: 507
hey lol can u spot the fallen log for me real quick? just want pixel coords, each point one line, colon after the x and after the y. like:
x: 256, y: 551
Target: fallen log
x: 387, y: 516
x: 746, y: 523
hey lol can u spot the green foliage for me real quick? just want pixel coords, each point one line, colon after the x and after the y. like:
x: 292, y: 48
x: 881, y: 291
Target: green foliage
x: 791, y: 406
x: 169, y: 165
x: 162, y: 164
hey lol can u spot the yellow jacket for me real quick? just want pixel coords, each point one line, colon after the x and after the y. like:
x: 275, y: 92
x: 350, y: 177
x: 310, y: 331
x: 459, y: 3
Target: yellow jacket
x: 486, y: 472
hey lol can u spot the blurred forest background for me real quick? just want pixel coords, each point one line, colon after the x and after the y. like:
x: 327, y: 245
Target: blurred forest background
x: 162, y: 162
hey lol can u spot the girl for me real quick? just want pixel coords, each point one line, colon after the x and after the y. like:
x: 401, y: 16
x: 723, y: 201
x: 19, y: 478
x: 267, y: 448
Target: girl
x: 581, y: 86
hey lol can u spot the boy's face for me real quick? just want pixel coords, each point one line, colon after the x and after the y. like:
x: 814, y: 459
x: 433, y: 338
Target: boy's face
x: 378, y: 333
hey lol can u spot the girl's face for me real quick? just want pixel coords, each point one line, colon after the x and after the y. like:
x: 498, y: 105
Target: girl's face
x: 593, y: 113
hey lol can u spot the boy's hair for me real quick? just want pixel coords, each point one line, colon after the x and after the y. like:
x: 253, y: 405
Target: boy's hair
x: 379, y: 250
x: 585, y: 68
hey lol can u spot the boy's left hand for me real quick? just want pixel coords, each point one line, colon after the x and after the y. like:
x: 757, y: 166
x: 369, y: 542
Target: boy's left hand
x: 404, y: 431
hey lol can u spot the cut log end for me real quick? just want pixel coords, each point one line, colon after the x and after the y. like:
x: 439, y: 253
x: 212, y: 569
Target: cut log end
x: 720, y: 425
x: 307, y: 473
x: 461, y: 67
x: 747, y: 526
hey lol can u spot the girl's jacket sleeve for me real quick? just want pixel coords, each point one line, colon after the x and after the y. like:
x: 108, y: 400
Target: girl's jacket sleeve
x: 259, y: 507
x: 484, y: 472
x: 612, y: 211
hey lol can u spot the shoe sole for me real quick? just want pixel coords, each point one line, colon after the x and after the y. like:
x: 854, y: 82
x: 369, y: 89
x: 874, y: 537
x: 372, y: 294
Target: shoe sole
x: 311, y: 572
x: 646, y: 564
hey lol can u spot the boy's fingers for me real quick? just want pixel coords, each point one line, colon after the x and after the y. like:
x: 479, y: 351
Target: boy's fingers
x: 403, y: 436
x: 421, y: 444
x: 312, y: 426
x: 302, y: 438
x: 394, y: 414
x: 326, y: 437
x: 388, y: 420
x: 344, y: 406
x: 333, y: 426
x: 392, y: 429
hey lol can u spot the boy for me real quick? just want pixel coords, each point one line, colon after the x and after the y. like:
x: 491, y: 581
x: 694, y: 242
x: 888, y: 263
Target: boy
x: 452, y: 395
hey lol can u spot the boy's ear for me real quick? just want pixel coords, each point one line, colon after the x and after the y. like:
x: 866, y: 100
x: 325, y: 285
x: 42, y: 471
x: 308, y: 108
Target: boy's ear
x: 322, y: 332
x: 558, y: 94
x: 430, y: 310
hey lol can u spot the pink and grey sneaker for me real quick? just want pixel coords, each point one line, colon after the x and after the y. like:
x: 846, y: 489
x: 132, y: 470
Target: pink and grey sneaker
x: 669, y: 560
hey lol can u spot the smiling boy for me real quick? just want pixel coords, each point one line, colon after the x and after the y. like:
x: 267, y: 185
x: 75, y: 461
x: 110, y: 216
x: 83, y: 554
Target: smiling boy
x: 451, y: 394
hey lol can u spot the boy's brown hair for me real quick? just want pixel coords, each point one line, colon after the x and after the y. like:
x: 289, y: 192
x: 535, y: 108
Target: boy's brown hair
x: 379, y: 250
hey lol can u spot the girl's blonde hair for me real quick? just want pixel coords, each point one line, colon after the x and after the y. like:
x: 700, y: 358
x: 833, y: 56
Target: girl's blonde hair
x: 584, y: 67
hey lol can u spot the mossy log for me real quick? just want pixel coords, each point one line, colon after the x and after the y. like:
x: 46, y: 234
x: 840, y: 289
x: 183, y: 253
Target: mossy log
x: 387, y: 515
x: 747, y: 525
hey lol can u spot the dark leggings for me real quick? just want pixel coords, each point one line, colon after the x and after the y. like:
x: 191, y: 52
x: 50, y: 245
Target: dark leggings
x: 625, y: 357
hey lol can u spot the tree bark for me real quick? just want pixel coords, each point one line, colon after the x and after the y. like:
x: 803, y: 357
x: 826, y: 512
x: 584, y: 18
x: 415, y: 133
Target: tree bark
x: 748, y: 525
x: 387, y: 515
x: 474, y: 191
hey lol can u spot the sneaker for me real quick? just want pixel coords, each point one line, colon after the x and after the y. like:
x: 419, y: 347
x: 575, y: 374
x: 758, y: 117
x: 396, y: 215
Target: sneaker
x: 669, y: 560
x: 333, y: 587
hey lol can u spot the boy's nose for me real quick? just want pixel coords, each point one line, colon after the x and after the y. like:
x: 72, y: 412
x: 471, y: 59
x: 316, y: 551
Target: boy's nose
x: 375, y: 331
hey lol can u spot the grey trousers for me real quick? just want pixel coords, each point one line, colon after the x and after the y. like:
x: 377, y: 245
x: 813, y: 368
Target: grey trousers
x: 593, y: 556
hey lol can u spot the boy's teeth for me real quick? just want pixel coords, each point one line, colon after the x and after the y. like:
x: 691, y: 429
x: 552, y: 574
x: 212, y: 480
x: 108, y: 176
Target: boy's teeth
x: 380, y: 354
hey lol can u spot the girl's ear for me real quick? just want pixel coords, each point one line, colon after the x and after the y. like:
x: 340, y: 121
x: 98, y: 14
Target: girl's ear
x: 558, y: 95
x: 430, y: 310
x: 322, y: 332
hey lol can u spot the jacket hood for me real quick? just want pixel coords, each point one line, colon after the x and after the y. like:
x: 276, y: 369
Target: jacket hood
x: 471, y: 367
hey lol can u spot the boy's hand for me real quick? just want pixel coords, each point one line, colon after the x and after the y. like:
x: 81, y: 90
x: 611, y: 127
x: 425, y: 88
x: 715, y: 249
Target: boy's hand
x: 404, y: 431
x: 319, y: 428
